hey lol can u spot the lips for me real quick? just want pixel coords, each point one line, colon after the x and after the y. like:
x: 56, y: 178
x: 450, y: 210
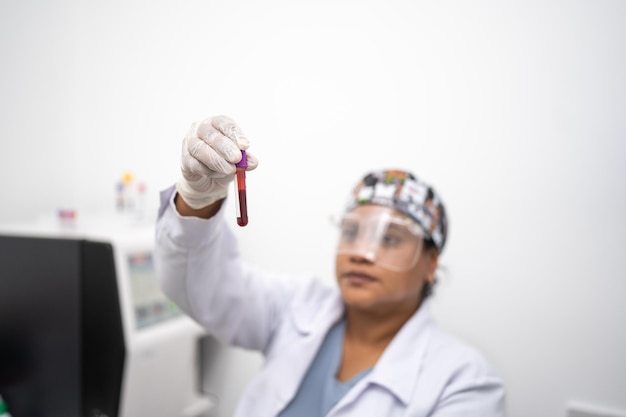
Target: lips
x: 358, y: 278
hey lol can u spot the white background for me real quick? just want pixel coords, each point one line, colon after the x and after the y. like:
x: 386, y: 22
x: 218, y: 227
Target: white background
x: 514, y: 110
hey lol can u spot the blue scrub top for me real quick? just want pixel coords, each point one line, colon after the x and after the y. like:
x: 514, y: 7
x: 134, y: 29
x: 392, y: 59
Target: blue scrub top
x: 320, y: 390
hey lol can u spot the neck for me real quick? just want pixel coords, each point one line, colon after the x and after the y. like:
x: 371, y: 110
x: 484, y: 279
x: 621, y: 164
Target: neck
x: 375, y: 329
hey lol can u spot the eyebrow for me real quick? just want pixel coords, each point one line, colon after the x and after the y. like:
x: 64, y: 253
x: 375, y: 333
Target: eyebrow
x: 396, y: 227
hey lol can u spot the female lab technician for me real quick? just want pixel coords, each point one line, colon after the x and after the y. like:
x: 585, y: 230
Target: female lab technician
x: 365, y: 347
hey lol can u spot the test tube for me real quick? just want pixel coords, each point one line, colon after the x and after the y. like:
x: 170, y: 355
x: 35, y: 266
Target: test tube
x: 242, y: 206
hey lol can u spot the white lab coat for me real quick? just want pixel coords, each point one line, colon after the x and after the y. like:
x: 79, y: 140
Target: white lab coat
x: 423, y: 372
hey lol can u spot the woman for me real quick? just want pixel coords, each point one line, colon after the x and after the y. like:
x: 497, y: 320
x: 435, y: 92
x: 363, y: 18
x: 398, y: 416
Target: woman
x: 366, y: 347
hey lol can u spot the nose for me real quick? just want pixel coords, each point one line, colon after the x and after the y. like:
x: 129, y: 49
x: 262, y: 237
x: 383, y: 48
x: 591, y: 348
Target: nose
x: 359, y: 258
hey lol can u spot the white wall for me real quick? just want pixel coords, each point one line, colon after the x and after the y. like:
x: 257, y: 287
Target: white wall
x: 514, y: 110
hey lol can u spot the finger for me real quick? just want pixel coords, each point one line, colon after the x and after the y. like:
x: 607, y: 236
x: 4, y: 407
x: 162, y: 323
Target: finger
x: 252, y: 161
x: 223, y: 145
x: 211, y: 157
x: 193, y: 169
x: 230, y: 129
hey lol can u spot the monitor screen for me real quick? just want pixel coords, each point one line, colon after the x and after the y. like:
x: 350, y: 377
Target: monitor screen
x: 40, y: 323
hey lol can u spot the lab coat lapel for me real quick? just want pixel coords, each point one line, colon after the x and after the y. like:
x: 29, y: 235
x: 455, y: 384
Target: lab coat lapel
x: 312, y: 323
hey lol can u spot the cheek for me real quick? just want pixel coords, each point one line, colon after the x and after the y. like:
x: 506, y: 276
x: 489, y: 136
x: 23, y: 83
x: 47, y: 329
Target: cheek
x: 340, y: 263
x: 408, y: 282
x: 413, y: 280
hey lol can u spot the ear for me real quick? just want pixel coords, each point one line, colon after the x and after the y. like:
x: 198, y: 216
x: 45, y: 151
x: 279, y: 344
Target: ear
x: 432, y: 257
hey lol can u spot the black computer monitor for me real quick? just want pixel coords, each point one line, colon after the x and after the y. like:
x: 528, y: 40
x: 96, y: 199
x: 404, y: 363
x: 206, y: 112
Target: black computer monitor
x: 61, y: 336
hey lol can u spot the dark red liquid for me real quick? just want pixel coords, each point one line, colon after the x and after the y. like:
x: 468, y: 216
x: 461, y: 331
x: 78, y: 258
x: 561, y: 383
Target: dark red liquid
x: 242, y: 220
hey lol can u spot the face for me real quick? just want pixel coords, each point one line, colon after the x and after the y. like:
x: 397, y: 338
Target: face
x: 386, y: 282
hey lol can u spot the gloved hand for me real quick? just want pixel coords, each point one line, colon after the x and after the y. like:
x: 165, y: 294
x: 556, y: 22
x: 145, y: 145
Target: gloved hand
x: 211, y: 149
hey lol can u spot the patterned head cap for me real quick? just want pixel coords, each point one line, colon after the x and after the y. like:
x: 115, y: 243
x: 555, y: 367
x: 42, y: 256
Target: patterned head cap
x: 402, y: 191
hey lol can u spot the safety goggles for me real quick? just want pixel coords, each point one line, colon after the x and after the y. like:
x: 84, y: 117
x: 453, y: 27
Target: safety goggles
x: 385, y: 239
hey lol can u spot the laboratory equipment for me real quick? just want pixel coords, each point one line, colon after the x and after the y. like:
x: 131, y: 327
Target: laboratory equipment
x: 85, y: 329
x: 242, y: 204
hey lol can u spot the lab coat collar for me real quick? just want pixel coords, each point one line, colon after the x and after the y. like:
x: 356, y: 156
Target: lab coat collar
x: 312, y: 325
x: 318, y: 320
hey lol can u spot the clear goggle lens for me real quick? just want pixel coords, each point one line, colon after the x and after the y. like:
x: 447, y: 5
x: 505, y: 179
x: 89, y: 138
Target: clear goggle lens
x: 385, y: 239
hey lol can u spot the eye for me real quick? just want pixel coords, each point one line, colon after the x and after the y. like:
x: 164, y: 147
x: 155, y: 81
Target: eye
x: 349, y: 231
x: 391, y: 240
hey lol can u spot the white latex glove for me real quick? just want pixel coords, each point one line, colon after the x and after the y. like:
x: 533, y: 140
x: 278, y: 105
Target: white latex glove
x: 211, y: 149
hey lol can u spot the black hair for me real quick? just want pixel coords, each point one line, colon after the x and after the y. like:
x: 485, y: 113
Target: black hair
x: 428, y: 288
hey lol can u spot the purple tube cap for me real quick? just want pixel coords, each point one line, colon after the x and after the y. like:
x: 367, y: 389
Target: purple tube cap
x: 244, y: 161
